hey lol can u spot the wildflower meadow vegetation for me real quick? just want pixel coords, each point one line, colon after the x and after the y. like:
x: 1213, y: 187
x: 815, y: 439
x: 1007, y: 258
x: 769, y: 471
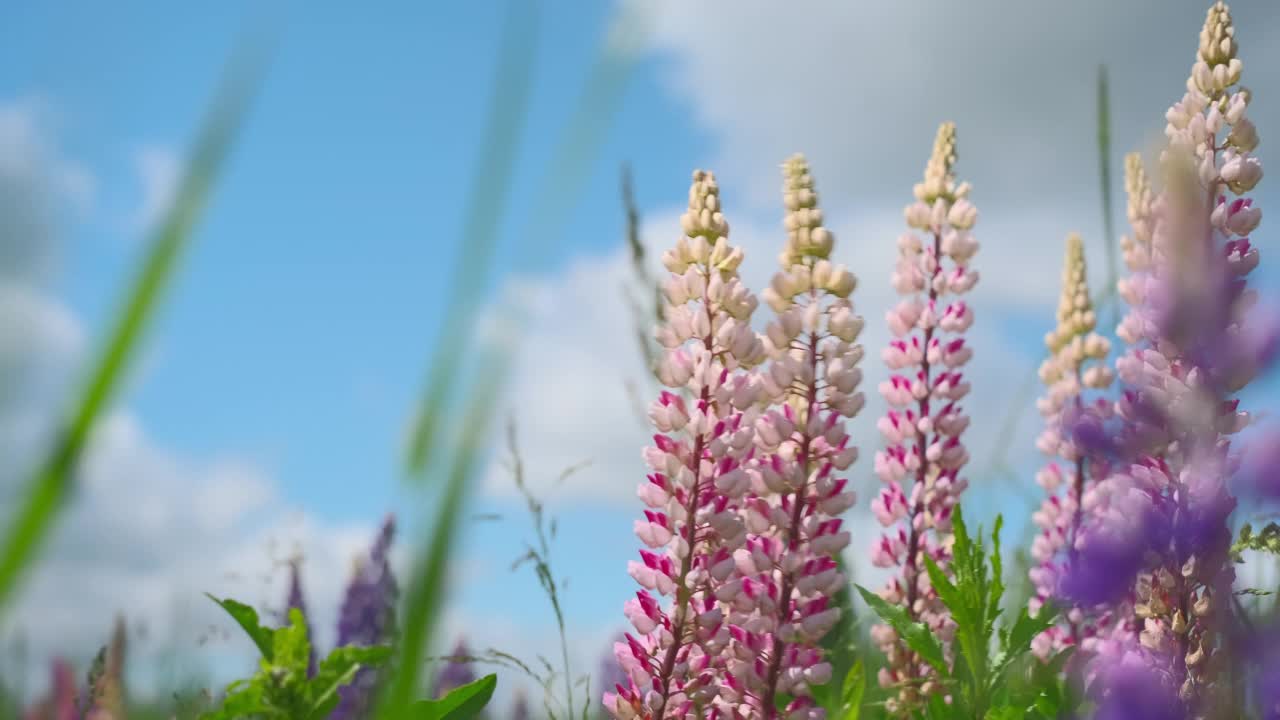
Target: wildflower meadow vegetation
x: 745, y: 605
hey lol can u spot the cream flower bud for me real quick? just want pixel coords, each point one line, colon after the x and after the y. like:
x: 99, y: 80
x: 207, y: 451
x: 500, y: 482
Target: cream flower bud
x: 841, y: 283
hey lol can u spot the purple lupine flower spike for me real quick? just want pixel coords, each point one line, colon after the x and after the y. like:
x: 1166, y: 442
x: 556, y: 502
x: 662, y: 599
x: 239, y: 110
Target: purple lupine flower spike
x: 456, y: 671
x: 1193, y: 346
x: 367, y: 617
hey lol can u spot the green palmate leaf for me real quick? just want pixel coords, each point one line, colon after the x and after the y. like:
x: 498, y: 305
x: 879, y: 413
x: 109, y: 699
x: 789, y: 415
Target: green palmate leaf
x: 461, y: 704
x: 247, y: 618
x: 1016, y: 641
x: 1027, y: 627
x: 48, y: 487
x: 997, y: 569
x: 1053, y: 697
x: 290, y: 646
x: 243, y: 699
x: 281, y: 687
x: 855, y: 687
x: 916, y: 634
x: 337, y: 670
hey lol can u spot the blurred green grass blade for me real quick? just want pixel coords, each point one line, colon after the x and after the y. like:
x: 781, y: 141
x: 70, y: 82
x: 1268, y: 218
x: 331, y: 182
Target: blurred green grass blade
x: 1104, y: 177
x: 560, y: 190
x: 486, y: 203
x: 425, y: 597
x: 586, y: 129
x: 48, y: 487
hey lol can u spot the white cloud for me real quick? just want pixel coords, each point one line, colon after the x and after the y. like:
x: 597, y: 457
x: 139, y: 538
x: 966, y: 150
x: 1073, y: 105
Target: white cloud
x: 569, y: 393
x: 36, y: 184
x: 148, y: 529
x: 158, y: 168
x: 861, y: 87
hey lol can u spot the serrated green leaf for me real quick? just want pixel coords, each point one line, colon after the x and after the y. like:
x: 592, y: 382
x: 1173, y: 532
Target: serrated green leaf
x: 996, y: 591
x: 852, y: 691
x: 916, y: 634
x: 247, y: 618
x: 1027, y: 627
x: 461, y: 704
x: 290, y: 646
x: 337, y: 670
x: 1016, y: 641
x: 244, y: 701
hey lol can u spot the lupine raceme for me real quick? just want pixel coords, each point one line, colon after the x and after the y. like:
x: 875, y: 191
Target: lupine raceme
x: 1192, y: 347
x: 778, y: 606
x: 923, y: 455
x: 1076, y: 363
x: 705, y: 441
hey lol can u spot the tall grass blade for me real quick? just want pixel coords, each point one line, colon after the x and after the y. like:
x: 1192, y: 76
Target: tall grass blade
x: 425, y: 596
x: 490, y: 188
x: 51, y: 481
x: 567, y: 174
x: 1104, y: 180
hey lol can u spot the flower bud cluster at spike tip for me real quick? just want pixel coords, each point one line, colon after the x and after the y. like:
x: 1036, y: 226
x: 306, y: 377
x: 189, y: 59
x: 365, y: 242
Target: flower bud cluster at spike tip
x: 701, y: 461
x: 1164, y: 532
x: 779, y: 601
x: 1075, y: 362
x: 923, y: 455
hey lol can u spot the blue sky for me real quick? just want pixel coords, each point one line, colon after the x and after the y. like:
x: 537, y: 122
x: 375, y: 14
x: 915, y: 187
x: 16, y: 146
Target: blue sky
x: 295, y: 341
x: 300, y: 326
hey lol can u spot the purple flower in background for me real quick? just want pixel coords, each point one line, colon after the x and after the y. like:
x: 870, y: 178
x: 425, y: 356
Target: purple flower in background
x: 1193, y: 344
x: 611, y: 674
x: 520, y: 708
x: 367, y: 617
x: 1132, y: 690
x: 457, y: 670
